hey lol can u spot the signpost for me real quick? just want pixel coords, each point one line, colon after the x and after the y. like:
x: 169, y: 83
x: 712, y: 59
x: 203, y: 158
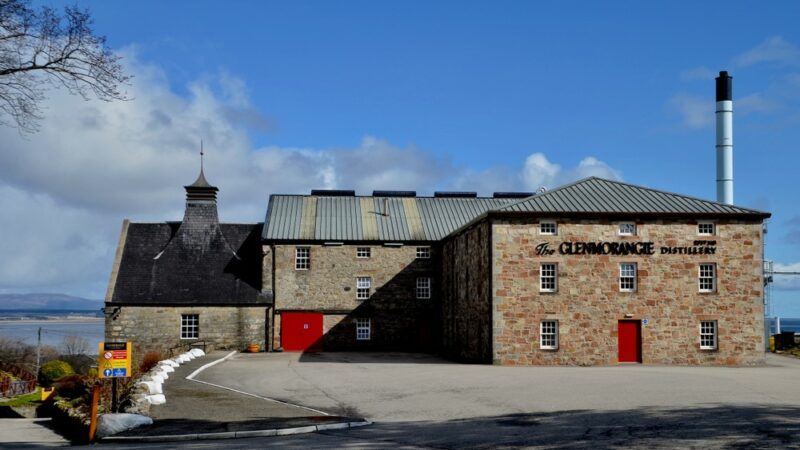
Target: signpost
x: 114, y: 362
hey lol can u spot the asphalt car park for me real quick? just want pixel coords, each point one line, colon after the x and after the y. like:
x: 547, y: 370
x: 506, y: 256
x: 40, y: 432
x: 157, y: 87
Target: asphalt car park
x: 421, y: 401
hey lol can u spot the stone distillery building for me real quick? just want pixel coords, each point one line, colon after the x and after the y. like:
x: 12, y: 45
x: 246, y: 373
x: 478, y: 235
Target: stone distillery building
x: 595, y: 272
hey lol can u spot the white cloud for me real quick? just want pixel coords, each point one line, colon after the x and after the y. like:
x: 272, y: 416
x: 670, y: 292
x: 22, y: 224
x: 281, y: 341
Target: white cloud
x: 539, y: 171
x: 65, y: 190
x: 774, y: 50
x: 787, y: 282
x: 696, y: 112
x: 756, y: 103
x: 697, y: 73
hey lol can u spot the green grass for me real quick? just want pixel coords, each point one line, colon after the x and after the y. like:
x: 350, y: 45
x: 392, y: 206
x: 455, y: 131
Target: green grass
x: 32, y: 399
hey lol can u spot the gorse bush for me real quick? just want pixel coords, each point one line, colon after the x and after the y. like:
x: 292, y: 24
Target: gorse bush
x: 53, y: 370
x: 73, y: 386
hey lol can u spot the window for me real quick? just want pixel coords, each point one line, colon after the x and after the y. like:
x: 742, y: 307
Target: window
x: 705, y: 228
x: 363, y: 329
x: 708, y: 277
x: 547, y: 277
x: 708, y: 335
x: 190, y: 326
x: 627, y: 277
x: 363, y: 285
x: 363, y: 252
x: 548, y: 335
x: 424, y: 287
x: 627, y: 229
x: 302, y: 258
x: 548, y: 228
x: 423, y: 252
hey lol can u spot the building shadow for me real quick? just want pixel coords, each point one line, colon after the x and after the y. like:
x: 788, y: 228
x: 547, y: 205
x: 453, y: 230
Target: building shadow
x: 714, y: 426
x: 246, y: 265
x: 400, y: 324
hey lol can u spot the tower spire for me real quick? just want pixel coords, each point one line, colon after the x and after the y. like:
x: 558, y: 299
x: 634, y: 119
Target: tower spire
x: 201, y: 189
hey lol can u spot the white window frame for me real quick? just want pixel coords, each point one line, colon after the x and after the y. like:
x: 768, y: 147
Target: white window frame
x: 546, y: 224
x: 423, y: 253
x: 548, y: 334
x: 543, y: 277
x: 713, y: 228
x: 190, y: 326
x: 703, y: 276
x: 302, y: 258
x: 626, y: 233
x: 363, y: 252
x: 363, y: 329
x: 363, y: 288
x: 625, y: 275
x: 423, y: 290
x: 709, y: 335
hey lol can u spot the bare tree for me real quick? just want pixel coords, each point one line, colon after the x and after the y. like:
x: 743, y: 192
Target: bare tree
x: 41, y: 49
x: 74, y: 345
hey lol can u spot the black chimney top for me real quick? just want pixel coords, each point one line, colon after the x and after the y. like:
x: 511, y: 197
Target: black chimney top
x: 724, y: 86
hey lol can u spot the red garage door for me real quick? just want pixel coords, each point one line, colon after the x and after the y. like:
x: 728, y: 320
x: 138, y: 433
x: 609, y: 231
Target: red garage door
x: 301, y: 331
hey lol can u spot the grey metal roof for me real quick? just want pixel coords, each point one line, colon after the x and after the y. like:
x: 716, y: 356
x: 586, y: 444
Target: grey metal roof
x: 384, y: 219
x: 598, y: 195
x: 397, y: 219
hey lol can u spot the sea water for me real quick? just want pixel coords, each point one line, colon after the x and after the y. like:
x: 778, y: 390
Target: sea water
x: 55, y: 325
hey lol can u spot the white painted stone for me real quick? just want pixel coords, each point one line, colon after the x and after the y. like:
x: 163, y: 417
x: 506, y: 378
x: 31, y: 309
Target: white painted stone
x: 156, y: 399
x: 111, y: 424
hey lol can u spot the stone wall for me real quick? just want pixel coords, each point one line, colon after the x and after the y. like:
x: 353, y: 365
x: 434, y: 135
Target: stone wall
x: 157, y: 328
x: 588, y: 303
x: 399, y: 320
x: 466, y: 305
x: 266, y: 269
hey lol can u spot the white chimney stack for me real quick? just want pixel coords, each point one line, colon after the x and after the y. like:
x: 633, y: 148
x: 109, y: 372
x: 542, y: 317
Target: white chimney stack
x: 725, y: 138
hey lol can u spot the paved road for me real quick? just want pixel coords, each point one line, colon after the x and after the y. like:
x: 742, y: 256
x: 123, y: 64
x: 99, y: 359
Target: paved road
x: 420, y: 401
x: 28, y: 433
x: 194, y: 407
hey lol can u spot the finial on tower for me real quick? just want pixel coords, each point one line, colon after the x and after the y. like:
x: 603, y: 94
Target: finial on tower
x: 201, y: 189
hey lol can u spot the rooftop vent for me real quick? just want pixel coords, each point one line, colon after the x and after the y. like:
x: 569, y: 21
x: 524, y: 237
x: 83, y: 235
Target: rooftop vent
x: 458, y: 194
x: 512, y: 194
x: 333, y: 192
x: 394, y: 193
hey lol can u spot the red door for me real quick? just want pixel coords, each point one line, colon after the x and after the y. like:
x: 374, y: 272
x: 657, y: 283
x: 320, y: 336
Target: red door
x: 301, y: 331
x: 630, y: 341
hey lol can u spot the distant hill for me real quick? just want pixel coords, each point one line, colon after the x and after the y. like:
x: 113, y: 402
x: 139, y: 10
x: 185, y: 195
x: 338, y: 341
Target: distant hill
x: 47, y: 302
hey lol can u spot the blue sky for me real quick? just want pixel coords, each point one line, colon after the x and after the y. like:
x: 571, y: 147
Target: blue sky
x: 460, y: 94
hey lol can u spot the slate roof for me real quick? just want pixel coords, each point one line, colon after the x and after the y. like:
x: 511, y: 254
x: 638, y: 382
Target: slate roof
x: 383, y: 219
x: 601, y: 196
x: 165, y: 264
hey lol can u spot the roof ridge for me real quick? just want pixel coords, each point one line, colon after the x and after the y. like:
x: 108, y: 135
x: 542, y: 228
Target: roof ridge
x: 379, y: 196
x: 636, y: 186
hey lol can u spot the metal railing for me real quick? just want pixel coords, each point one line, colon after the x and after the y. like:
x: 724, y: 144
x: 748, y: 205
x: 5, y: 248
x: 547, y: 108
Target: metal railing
x: 19, y: 382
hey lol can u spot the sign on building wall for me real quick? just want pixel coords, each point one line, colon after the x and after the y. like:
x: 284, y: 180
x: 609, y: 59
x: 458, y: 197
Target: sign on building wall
x: 114, y: 360
x: 699, y: 247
